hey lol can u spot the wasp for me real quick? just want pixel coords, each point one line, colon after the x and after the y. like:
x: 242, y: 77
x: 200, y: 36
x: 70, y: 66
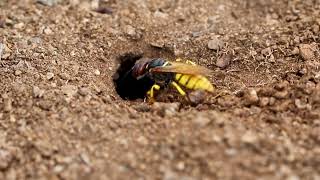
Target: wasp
x: 176, y: 74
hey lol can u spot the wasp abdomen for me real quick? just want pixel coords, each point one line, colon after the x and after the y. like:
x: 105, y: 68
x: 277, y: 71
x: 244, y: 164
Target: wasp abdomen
x: 194, y: 82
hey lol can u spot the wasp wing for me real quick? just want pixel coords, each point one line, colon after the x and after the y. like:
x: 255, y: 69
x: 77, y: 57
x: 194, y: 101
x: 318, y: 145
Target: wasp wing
x: 177, y: 67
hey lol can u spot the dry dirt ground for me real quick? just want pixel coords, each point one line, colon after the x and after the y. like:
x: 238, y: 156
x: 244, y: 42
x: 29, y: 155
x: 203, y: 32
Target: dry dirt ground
x: 61, y: 118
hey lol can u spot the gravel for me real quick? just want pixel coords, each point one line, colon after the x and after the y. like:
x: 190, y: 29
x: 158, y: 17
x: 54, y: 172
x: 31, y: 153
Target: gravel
x: 215, y: 44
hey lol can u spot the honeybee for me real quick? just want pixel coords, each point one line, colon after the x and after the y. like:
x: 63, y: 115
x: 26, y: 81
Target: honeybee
x: 169, y: 73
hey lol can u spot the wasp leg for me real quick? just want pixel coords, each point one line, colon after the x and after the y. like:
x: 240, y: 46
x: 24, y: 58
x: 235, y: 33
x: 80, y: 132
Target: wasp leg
x: 187, y: 61
x: 151, y: 91
x: 190, y: 62
x: 174, y: 84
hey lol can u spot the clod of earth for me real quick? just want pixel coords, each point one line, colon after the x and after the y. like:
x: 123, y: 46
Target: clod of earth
x: 166, y: 109
x: 215, y: 44
x: 307, y: 52
x: 224, y: 61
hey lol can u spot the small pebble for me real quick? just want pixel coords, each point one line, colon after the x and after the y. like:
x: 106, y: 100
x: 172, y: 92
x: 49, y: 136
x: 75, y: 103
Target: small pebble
x: 12, y: 118
x: 7, y: 105
x: 35, y: 40
x: 264, y: 101
x: 37, y: 92
x: 181, y: 166
x: 224, y: 61
x: 251, y: 97
x: 159, y: 14
x: 296, y: 40
x: 84, y: 91
x: 97, y: 89
x: 65, y: 76
x: 58, y: 168
x: 166, y: 109
x: 142, y: 108
x: 8, y: 21
x: 157, y: 44
x: 219, y: 118
x: 97, y: 72
x: 74, y: 2
x: 5, y: 55
x: 45, y: 105
x: 215, y: 44
x: 132, y: 32
x: 281, y: 86
x: 178, y: 52
x: 69, y: 90
x: 94, y: 4
x: 84, y: 5
x: 295, y: 51
x: 293, y: 177
x: 231, y: 152
x: 107, y: 99
x: 272, y: 101
x: 196, y: 34
x: 85, y: 158
x: 48, y: 2
x: 142, y: 140
x: 249, y: 137
x: 272, y: 58
x: 5, y: 51
x: 266, y: 51
x: 301, y: 105
x: 6, y: 158
x: 306, y: 52
x: 17, y: 72
x: 316, y: 28
x: 47, y: 31
x: 281, y: 94
x: 19, y: 25
x: 18, y: 88
x: 196, y: 97
x: 201, y: 120
x: 49, y: 75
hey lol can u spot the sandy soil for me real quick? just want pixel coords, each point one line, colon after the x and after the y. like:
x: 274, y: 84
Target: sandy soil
x: 61, y: 118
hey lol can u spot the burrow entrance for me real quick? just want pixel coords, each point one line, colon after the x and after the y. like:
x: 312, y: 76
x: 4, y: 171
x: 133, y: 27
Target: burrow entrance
x: 128, y: 87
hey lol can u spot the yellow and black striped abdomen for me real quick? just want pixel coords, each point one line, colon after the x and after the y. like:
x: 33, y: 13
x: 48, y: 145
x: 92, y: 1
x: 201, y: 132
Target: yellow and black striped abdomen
x: 194, y: 82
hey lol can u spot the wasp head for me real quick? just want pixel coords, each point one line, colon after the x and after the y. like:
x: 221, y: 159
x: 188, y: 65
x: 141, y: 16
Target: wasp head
x: 140, y: 69
x: 143, y: 66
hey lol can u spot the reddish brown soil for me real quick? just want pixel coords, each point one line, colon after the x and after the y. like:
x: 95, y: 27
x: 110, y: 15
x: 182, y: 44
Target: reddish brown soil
x: 61, y: 118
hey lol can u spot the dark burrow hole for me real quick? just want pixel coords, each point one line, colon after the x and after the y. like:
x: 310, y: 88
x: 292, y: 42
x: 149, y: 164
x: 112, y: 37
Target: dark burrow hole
x: 128, y: 87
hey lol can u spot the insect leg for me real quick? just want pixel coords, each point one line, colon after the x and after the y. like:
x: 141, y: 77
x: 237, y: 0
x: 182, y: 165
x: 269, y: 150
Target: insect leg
x: 190, y: 62
x: 187, y: 61
x: 151, y: 91
x: 174, y: 84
